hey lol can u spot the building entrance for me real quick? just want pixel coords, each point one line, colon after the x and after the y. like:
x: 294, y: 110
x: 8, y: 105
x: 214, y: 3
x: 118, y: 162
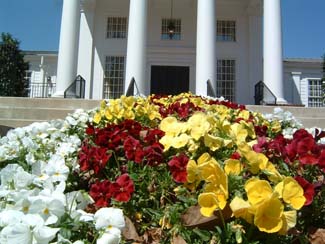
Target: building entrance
x: 169, y: 80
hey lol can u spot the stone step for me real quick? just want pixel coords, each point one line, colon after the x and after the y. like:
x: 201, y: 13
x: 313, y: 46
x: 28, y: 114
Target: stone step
x: 18, y: 122
x: 9, y: 102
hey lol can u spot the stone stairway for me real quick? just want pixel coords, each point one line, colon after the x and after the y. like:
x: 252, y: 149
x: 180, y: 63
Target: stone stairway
x: 17, y: 112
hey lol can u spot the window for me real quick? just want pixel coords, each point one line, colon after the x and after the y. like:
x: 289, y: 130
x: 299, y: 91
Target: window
x: 226, y: 79
x: 226, y: 30
x: 315, y: 98
x: 114, y: 75
x: 116, y: 27
x: 165, y: 24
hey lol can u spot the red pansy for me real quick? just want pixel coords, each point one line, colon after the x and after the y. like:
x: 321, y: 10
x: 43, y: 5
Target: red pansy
x: 309, y: 190
x: 122, y: 188
x: 100, y: 192
x: 177, y: 166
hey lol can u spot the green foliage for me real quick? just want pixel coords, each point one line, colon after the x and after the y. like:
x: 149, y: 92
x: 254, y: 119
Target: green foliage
x: 12, y: 68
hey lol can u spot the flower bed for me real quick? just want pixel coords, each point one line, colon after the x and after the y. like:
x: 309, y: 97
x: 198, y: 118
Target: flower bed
x: 163, y: 169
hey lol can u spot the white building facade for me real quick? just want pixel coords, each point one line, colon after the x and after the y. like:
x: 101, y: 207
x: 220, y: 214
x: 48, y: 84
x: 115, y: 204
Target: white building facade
x: 173, y: 46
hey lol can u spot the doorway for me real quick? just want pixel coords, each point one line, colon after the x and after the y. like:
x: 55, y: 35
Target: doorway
x: 169, y: 80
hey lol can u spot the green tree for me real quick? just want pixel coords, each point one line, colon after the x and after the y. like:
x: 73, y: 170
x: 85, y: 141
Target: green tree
x: 12, y: 68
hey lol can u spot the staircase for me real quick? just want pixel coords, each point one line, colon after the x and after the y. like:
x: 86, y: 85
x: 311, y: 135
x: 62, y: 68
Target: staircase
x: 309, y: 117
x: 17, y: 112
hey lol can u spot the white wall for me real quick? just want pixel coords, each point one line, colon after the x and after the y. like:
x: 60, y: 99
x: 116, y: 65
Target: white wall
x: 182, y: 52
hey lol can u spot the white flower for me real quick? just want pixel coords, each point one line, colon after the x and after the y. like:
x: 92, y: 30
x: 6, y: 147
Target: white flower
x: 111, y: 237
x: 109, y: 217
x: 57, y: 169
x: 16, y: 233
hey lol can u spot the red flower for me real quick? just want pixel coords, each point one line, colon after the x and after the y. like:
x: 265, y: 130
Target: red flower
x: 133, y: 149
x: 99, y: 158
x: 309, y: 190
x: 122, y: 189
x: 153, y: 154
x: 177, y: 166
x: 100, y: 192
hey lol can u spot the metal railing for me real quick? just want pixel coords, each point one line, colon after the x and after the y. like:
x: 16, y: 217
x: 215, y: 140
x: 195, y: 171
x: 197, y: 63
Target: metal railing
x: 76, y: 88
x: 41, y: 90
x: 263, y: 95
x: 130, y: 90
x: 210, y: 91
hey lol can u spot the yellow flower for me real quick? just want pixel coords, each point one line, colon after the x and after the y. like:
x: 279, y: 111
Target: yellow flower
x: 108, y: 114
x: 233, y: 166
x: 193, y: 172
x: 180, y: 141
x: 256, y: 161
x: 268, y: 215
x: 272, y: 172
x: 238, y: 133
x: 128, y: 114
x: 97, y: 118
x: 171, y: 126
x: 275, y: 126
x: 240, y: 209
x: 213, y: 142
x: 289, y: 219
x: 167, y: 141
x: 198, y: 125
x: 128, y: 102
x: 209, y: 203
x: 258, y: 190
x: 291, y: 192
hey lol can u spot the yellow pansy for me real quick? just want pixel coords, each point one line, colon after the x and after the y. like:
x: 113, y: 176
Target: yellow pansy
x: 275, y: 126
x: 272, y: 172
x: 213, y: 142
x: 240, y: 209
x: 192, y: 168
x: 108, y: 114
x: 198, y: 125
x: 180, y: 141
x: 212, y: 172
x: 258, y: 190
x: 256, y: 161
x: 291, y: 192
x: 192, y: 146
x: 128, y: 114
x: 167, y: 142
x: 208, y: 203
x: 238, y: 133
x: 249, y: 127
x: 128, y: 102
x: 220, y: 191
x: 289, y: 219
x: 171, y: 126
x: 268, y: 215
x: 233, y: 166
x: 97, y: 117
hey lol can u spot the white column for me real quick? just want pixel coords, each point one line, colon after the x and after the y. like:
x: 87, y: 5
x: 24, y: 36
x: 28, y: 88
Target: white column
x: 86, y: 44
x: 272, y: 49
x: 68, y: 47
x: 205, y: 46
x: 136, y: 45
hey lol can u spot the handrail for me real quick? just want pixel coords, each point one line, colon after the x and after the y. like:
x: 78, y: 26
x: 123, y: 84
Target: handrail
x: 130, y: 90
x: 41, y: 90
x: 210, y: 90
x: 263, y: 94
x: 76, y: 88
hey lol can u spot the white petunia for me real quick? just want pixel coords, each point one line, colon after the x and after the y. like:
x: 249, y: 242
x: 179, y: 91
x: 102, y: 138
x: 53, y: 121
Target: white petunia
x: 16, y: 233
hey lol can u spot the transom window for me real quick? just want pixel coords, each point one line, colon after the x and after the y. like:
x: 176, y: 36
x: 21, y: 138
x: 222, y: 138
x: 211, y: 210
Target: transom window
x: 226, y: 78
x: 116, y: 27
x: 114, y: 75
x: 167, y: 25
x: 226, y: 30
x: 315, y: 98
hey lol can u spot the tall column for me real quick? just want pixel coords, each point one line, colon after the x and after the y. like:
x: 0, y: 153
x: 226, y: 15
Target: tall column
x: 136, y: 45
x: 205, y: 46
x: 272, y: 50
x: 68, y: 47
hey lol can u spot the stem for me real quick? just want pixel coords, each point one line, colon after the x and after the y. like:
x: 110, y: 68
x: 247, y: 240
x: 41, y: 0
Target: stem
x: 222, y: 219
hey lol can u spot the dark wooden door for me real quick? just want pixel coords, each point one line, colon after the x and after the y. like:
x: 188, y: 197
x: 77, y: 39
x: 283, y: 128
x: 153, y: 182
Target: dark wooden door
x: 169, y: 80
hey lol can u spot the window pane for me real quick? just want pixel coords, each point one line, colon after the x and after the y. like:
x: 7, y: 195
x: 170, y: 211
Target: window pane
x: 116, y: 27
x: 226, y: 79
x: 226, y: 30
x: 177, y: 29
x: 114, y: 75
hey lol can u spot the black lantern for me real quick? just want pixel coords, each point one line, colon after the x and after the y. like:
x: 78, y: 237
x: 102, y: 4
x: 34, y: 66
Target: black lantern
x: 171, y: 23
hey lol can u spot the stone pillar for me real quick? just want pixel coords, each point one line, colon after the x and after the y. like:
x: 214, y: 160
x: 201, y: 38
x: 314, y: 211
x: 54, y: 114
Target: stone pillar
x: 136, y: 61
x: 68, y: 47
x: 205, y: 46
x: 272, y: 49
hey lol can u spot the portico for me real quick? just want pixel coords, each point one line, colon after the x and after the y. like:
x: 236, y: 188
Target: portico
x: 83, y: 48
